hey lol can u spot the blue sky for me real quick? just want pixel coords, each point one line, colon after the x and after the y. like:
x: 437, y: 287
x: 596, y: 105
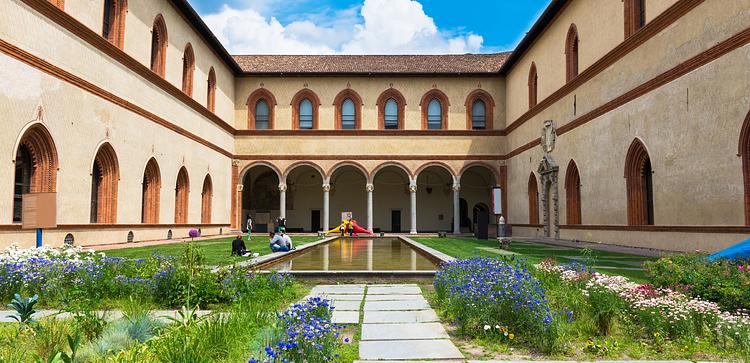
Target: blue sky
x: 369, y: 26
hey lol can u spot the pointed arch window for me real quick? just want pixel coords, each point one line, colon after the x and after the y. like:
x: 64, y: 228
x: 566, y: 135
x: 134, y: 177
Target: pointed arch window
x: 533, y: 193
x: 35, y: 167
x: 105, y: 176
x: 573, y: 194
x: 262, y: 112
x: 305, y: 110
x: 744, y: 152
x: 639, y: 183
x: 182, y: 190
x: 533, y: 85
x: 206, y: 200
x: 159, y: 41
x: 391, y: 105
x: 571, y: 53
x: 150, y: 193
x: 635, y: 16
x: 434, y: 115
x: 113, y: 21
x: 390, y: 118
x: 305, y: 114
x: 478, y: 115
x: 188, y: 70
x: 348, y: 115
x: 211, y: 90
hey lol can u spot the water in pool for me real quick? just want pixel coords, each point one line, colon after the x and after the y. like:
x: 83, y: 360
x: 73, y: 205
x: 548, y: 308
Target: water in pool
x: 358, y: 254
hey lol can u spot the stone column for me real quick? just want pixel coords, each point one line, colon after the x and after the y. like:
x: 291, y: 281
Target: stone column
x: 370, y: 188
x: 282, y: 200
x: 369, y: 255
x: 326, y: 206
x: 456, y: 208
x: 413, y: 197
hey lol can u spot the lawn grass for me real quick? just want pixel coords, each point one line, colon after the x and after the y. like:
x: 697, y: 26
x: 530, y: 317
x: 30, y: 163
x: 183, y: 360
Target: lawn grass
x: 217, y: 252
x: 607, y: 262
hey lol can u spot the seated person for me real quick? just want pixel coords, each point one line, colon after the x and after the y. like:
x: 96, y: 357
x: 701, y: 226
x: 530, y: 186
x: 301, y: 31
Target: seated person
x: 286, y: 239
x: 238, y: 247
x: 277, y: 243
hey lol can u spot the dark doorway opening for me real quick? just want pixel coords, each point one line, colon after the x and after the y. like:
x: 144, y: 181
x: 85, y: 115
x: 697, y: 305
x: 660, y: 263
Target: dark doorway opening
x: 315, y: 220
x: 396, y: 221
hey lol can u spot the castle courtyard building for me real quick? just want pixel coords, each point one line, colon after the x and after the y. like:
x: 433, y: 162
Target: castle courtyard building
x: 615, y: 121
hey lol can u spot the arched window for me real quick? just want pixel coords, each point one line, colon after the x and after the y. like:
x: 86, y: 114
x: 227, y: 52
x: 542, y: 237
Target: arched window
x: 348, y: 106
x: 573, y: 194
x: 434, y: 115
x: 305, y: 114
x: 113, y: 21
x: 744, y: 152
x: 211, y: 90
x: 391, y: 105
x: 533, y: 191
x: 533, y: 85
x: 261, y: 115
x: 390, y: 118
x: 635, y: 16
x: 305, y: 110
x: 206, y: 200
x: 478, y: 115
x: 434, y: 106
x: 639, y: 183
x: 181, y: 192
x: 571, y: 53
x: 159, y: 41
x: 35, y: 167
x: 188, y: 70
x: 105, y: 176
x: 151, y: 192
x: 348, y: 115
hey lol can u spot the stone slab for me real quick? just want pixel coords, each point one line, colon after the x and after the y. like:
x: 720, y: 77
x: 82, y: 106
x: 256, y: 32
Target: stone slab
x: 396, y: 297
x: 337, y: 297
x: 599, y: 361
x: 344, y: 305
x: 396, y: 305
x: 415, y: 316
x: 338, y: 290
x: 394, y: 290
x: 414, y: 331
x: 345, y: 317
x: 408, y: 349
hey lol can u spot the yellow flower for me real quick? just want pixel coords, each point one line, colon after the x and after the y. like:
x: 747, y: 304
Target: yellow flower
x: 511, y: 336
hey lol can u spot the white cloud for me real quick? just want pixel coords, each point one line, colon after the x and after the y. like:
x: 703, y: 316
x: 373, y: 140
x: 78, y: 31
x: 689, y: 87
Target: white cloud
x: 382, y: 27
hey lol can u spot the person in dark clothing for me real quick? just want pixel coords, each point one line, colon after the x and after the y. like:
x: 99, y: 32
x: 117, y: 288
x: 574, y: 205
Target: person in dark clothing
x: 238, y: 247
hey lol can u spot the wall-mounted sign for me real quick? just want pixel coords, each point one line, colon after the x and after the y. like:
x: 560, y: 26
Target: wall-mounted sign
x: 497, y: 200
x: 39, y: 211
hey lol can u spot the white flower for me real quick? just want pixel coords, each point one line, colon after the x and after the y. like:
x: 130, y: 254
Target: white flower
x: 487, y: 327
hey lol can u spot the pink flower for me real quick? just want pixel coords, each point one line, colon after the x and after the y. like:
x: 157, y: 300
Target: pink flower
x: 740, y: 267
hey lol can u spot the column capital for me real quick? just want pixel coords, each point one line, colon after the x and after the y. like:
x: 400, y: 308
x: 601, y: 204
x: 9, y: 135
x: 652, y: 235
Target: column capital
x: 282, y: 187
x: 240, y: 187
x: 456, y: 187
x: 412, y: 187
x: 370, y: 187
x: 326, y: 187
x: 235, y: 162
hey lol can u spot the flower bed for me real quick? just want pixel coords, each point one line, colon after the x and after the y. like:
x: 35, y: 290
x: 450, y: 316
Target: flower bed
x: 490, y: 296
x: 304, y: 333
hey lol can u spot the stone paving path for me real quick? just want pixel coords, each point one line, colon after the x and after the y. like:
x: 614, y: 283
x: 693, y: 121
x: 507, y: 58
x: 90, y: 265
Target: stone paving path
x: 398, y: 324
x: 163, y: 315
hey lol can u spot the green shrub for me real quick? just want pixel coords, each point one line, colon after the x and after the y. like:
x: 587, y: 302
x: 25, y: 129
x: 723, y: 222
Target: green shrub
x: 722, y: 281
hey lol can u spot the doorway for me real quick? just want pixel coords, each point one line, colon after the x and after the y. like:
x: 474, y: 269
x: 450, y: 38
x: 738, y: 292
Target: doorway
x: 396, y: 221
x: 315, y: 220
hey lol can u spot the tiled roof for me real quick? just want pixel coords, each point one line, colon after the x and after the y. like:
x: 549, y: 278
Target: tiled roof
x: 372, y: 64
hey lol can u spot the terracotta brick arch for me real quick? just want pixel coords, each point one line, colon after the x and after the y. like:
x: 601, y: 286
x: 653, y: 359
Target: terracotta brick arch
x: 338, y: 102
x: 571, y: 53
x: 639, y: 184
x: 353, y: 164
x: 305, y: 93
x: 444, y: 105
x: 481, y: 164
x: 744, y: 152
x: 394, y: 94
x: 105, y: 177
x: 113, y: 24
x: 211, y: 90
x: 159, y: 42
x: 151, y: 194
x: 207, y: 196
x: 36, y: 165
x: 572, y: 194
x: 300, y: 164
x: 247, y: 168
x: 188, y: 69
x: 252, y: 100
x: 435, y: 164
x: 404, y: 168
x: 533, y: 192
x: 181, y: 197
x: 489, y: 105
